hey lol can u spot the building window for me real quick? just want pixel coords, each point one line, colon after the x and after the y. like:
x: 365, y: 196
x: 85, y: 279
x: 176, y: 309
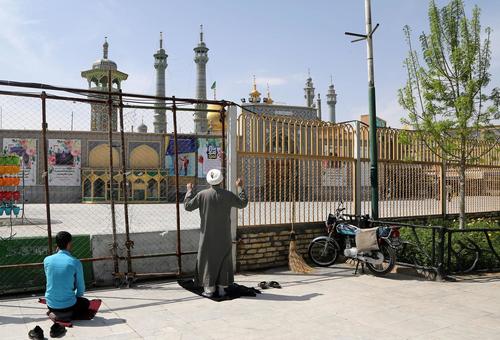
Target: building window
x: 87, y: 188
x: 139, y: 190
x: 99, y: 187
x: 152, y: 189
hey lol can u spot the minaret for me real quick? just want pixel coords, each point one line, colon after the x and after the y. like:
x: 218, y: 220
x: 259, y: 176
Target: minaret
x: 160, y: 121
x: 268, y: 100
x: 309, y: 91
x: 97, y: 78
x: 255, y: 94
x: 331, y: 100
x: 318, y: 107
x: 201, y: 59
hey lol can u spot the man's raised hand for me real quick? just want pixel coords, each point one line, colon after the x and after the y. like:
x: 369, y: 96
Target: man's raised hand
x: 239, y: 183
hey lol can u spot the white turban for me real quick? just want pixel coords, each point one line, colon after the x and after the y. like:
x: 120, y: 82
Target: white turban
x: 214, y: 177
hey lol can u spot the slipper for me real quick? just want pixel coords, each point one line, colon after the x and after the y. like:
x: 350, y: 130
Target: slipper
x: 36, y: 333
x: 57, y: 331
x: 274, y: 284
x: 263, y: 285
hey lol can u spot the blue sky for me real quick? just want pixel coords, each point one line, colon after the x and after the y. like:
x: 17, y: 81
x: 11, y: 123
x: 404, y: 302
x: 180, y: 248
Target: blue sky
x: 52, y: 41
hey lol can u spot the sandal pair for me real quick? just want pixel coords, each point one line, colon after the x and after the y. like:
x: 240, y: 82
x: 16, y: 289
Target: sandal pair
x: 270, y: 284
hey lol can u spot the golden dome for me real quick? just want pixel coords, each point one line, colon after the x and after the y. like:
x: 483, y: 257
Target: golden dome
x: 255, y: 94
x: 213, y: 118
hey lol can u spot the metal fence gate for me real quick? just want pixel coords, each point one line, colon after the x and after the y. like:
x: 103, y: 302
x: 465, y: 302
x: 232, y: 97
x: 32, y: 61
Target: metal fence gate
x: 299, y: 170
x: 84, y: 161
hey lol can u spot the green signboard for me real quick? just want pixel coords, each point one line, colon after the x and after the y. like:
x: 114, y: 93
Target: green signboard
x: 34, y: 250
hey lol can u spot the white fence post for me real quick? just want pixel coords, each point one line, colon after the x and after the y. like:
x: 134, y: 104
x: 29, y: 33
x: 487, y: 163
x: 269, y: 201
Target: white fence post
x: 232, y: 169
x: 357, y: 171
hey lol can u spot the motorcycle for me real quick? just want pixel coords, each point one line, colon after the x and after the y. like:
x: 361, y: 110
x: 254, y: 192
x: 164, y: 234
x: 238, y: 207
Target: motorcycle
x: 376, y: 246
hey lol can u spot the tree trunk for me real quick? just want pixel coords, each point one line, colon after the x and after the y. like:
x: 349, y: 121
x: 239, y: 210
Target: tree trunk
x: 462, y: 195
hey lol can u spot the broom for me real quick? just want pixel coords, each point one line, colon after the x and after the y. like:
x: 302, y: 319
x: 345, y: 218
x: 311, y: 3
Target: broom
x: 295, y: 261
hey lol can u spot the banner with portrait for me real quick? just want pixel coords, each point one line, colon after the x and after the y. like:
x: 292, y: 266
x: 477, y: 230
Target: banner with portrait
x: 65, y: 162
x: 187, y: 157
x: 26, y: 149
x: 209, y: 155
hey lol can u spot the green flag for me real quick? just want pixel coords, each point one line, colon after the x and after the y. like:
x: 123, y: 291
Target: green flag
x: 213, y: 86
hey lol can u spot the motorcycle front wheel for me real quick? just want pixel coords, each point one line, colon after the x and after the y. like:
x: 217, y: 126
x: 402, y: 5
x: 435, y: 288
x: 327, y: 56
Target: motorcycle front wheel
x: 323, y: 252
x: 389, y: 261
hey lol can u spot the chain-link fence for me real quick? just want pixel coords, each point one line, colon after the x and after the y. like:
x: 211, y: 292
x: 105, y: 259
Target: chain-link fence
x: 109, y: 167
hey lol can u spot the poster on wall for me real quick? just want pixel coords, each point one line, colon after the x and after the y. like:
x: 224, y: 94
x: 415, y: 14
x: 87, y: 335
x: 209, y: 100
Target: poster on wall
x: 334, y: 177
x: 26, y: 149
x: 187, y: 157
x: 65, y: 161
x: 209, y: 155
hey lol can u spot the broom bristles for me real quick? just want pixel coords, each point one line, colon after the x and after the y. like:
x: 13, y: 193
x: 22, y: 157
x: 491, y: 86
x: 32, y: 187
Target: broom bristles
x: 295, y: 261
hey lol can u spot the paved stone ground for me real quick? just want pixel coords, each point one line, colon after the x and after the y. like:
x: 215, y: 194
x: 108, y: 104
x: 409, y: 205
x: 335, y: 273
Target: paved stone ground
x: 95, y: 219
x: 330, y: 304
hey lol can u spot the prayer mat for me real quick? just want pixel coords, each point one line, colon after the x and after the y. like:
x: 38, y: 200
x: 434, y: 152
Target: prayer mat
x: 234, y: 291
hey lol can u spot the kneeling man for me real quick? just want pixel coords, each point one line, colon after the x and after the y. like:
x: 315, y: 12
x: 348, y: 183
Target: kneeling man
x: 65, y: 282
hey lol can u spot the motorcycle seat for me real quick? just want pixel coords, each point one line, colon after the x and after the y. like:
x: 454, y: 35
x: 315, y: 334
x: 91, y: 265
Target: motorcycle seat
x: 347, y: 229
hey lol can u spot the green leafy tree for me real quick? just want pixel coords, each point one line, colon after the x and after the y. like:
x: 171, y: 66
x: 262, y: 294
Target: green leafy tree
x: 446, y: 96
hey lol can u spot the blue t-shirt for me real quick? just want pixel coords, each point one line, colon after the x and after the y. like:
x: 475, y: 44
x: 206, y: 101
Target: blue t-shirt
x: 64, y: 274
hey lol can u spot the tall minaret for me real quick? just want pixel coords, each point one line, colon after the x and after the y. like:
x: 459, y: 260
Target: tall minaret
x: 97, y: 78
x: 331, y: 100
x: 201, y: 59
x: 309, y: 91
x: 318, y: 107
x: 160, y: 122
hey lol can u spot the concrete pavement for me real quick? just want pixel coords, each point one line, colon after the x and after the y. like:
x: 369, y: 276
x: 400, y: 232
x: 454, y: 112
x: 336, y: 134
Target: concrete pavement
x: 329, y: 304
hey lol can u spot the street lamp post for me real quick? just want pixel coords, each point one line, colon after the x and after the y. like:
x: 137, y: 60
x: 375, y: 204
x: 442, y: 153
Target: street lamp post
x: 371, y: 106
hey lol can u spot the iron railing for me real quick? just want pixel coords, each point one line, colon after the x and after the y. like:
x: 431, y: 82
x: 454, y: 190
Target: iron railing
x: 310, y: 165
x: 442, y: 252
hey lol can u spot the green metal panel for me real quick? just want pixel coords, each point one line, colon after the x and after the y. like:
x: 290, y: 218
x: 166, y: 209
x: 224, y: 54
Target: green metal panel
x: 373, y: 152
x: 34, y: 250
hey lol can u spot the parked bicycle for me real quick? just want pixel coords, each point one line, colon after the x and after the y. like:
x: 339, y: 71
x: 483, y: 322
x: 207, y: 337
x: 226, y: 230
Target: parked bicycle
x: 377, y: 250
